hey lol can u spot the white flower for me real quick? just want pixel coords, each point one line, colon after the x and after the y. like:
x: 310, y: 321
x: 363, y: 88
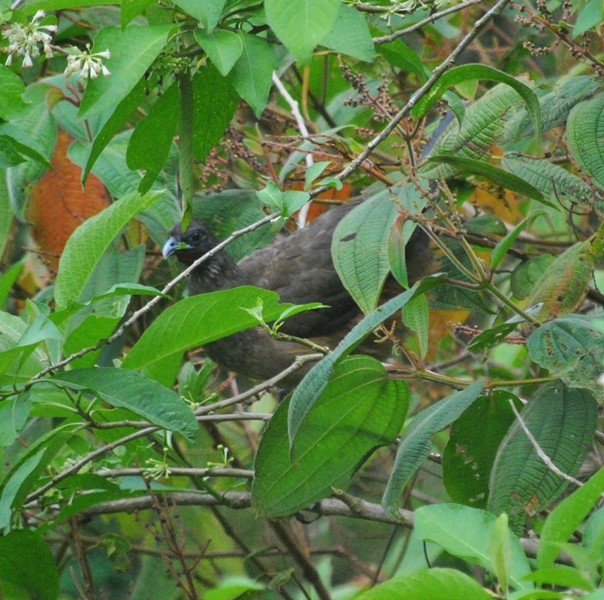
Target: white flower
x: 24, y: 40
x: 88, y: 65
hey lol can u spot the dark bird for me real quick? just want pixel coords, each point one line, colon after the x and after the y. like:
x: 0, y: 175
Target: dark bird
x: 300, y: 269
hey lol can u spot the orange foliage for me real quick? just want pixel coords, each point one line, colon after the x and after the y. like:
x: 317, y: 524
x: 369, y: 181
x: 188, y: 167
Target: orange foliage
x: 58, y: 204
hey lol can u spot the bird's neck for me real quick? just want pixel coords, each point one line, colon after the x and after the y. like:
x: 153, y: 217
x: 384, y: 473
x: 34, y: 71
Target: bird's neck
x: 216, y: 273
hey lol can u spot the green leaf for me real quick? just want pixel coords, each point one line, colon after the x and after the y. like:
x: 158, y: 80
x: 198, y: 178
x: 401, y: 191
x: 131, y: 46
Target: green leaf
x: 428, y: 584
x: 526, y: 275
x: 500, y: 551
x: 584, y: 135
x: 151, y: 140
x: 567, y: 517
x: 563, y: 422
x: 12, y: 86
x: 27, y: 562
x: 561, y: 576
x: 415, y: 442
x: 223, y: 47
x: 195, y: 321
x: 490, y: 337
x: 589, y: 15
x: 129, y: 389
x: 463, y: 73
x: 572, y: 349
x: 360, y: 249
x: 133, y: 50
x: 214, y: 104
x: 252, y: 75
x: 360, y: 410
x: 398, y: 54
x: 350, y: 35
x: 301, y: 25
x: 416, y: 316
x: 472, y: 446
x: 314, y: 382
x: 88, y: 243
x: 207, y: 12
x: 13, y: 416
x: 112, y: 122
x: 506, y: 180
x: 466, y: 533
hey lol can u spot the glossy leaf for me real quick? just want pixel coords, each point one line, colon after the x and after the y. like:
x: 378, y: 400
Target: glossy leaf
x: 562, y: 421
x: 123, y: 388
x: 223, y: 47
x: 415, y: 442
x: 359, y: 411
x: 207, y: 12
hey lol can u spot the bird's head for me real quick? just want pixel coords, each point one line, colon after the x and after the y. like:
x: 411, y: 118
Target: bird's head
x: 189, y: 245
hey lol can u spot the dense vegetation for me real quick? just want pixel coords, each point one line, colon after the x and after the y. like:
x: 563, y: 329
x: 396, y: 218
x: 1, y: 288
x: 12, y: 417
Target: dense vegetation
x: 468, y: 467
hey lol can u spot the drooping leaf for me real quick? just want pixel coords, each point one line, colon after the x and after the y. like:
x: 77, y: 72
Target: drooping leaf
x: 301, y: 25
x: 359, y: 410
x: 527, y: 273
x: 128, y: 389
x: 562, y: 421
x: 472, y: 446
x: 415, y: 442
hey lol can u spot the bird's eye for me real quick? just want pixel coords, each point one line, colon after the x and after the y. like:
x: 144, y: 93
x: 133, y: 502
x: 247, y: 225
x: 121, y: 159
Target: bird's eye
x: 195, y: 236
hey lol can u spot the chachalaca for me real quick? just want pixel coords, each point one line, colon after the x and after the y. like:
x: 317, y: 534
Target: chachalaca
x: 300, y: 269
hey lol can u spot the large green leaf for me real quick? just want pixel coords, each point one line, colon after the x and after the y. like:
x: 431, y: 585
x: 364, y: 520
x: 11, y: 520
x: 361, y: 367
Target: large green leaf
x: 572, y: 349
x: 350, y: 35
x: 415, y: 443
x: 214, y: 104
x: 128, y: 389
x: 428, y: 584
x: 27, y: 563
x: 467, y: 532
x: 360, y: 410
x: 223, y: 47
x: 472, y: 446
x: 88, y: 243
x: 195, y: 321
x: 301, y: 25
x: 133, y: 50
x: 207, y: 12
x: 562, y: 421
x: 584, y: 133
x: 252, y: 74
x: 152, y: 139
x: 314, y: 382
x: 12, y: 87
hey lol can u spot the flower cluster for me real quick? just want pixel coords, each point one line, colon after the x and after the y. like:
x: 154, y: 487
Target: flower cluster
x: 24, y: 40
x: 86, y: 63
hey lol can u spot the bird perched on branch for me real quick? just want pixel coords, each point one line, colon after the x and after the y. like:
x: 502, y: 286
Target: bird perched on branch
x: 299, y: 267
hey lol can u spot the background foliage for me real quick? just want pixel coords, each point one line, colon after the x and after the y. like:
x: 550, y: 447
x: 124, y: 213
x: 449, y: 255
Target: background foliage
x: 471, y: 466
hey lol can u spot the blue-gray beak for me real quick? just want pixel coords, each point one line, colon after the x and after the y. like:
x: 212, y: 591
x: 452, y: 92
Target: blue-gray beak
x: 171, y: 246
